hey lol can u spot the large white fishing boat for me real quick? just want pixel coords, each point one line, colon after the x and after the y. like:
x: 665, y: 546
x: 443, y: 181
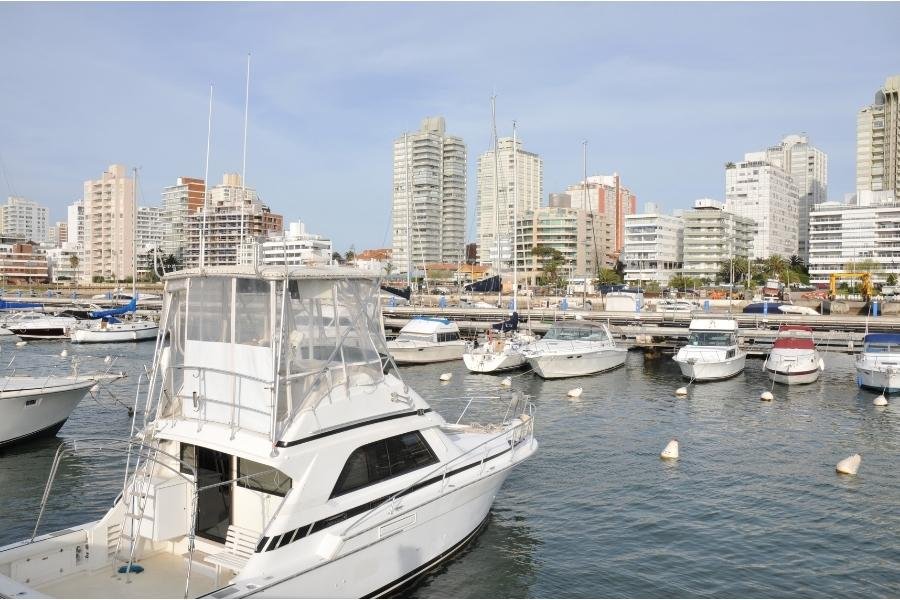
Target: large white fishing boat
x: 278, y: 455
x: 878, y: 365
x: 427, y: 340
x: 712, y: 351
x: 794, y: 358
x: 575, y: 348
x: 32, y: 407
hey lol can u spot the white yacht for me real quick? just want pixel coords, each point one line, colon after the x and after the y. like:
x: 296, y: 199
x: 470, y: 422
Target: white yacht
x: 20, y: 317
x: 574, y: 348
x: 276, y: 457
x: 427, y: 340
x: 32, y: 407
x: 47, y: 327
x: 794, y: 358
x: 502, y: 351
x: 878, y: 365
x: 712, y: 351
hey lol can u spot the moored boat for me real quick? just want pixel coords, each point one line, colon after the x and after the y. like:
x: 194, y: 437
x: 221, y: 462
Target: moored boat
x: 712, y: 351
x: 878, y: 365
x: 427, y: 340
x: 32, y: 407
x: 794, y: 358
x: 48, y: 327
x: 573, y: 349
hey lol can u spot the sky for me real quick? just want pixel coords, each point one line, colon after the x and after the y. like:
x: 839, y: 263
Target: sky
x: 665, y: 94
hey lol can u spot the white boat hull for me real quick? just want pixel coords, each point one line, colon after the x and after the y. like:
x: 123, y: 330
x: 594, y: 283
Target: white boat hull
x: 130, y: 333
x: 578, y: 362
x: 882, y: 378
x: 37, y: 411
x: 793, y: 369
x: 492, y: 362
x: 697, y: 370
x: 410, y: 354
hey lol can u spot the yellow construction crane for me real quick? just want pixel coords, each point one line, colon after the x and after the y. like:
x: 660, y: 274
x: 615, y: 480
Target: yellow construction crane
x: 865, y: 279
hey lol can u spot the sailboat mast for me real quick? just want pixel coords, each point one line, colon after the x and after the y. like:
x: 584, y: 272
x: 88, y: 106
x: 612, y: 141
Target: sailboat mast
x: 206, y: 183
x: 244, y: 159
x: 134, y: 210
x: 515, y: 218
x: 409, y: 199
x: 499, y: 264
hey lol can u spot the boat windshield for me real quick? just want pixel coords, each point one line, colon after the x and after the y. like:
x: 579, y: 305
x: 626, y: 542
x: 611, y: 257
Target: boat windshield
x: 569, y: 333
x: 711, y: 338
x: 881, y: 348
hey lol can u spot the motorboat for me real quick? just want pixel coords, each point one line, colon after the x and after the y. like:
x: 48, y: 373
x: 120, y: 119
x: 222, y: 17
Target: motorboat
x: 794, y: 358
x: 501, y: 351
x: 712, y: 351
x: 276, y: 455
x: 678, y: 306
x: 111, y: 329
x: 20, y: 317
x: 32, y: 407
x: 796, y: 309
x: 120, y: 295
x: 575, y: 348
x: 427, y: 340
x: 878, y: 365
x: 48, y: 327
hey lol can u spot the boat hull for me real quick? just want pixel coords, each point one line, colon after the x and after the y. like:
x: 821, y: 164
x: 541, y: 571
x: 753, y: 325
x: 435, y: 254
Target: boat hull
x: 881, y: 380
x: 578, y: 363
x: 712, y: 371
x: 420, y: 354
x: 793, y: 370
x: 493, y: 362
x: 26, y: 414
x: 48, y: 333
x: 127, y: 334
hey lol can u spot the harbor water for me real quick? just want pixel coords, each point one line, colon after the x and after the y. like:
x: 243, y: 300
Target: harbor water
x: 752, y: 508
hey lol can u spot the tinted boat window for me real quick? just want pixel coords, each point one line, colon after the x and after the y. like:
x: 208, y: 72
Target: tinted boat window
x: 263, y: 478
x: 382, y: 460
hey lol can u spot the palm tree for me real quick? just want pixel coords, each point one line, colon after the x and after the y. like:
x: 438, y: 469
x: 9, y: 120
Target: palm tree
x: 775, y: 265
x: 797, y: 263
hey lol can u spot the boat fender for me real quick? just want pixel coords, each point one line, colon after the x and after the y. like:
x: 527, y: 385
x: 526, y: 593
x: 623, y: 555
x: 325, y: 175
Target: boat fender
x: 821, y: 364
x: 681, y: 392
x: 849, y: 466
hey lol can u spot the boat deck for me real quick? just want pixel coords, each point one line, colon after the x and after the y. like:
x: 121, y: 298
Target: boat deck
x: 163, y: 577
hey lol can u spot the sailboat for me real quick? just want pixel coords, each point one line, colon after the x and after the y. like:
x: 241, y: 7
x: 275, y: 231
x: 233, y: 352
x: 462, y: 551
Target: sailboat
x: 504, y: 352
x: 105, y: 327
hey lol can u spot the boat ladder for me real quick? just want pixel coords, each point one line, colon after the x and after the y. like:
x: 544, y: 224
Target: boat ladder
x: 135, y: 499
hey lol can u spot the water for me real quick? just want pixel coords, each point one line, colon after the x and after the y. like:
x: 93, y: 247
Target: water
x: 753, y: 508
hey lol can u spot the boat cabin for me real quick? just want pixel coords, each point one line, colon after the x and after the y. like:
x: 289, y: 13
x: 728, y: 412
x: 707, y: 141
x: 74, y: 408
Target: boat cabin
x: 794, y: 337
x: 712, y: 332
x: 582, y: 331
x: 429, y: 329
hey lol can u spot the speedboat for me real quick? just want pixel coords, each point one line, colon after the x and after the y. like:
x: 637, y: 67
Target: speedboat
x: 427, y: 340
x: 502, y: 352
x: 47, y: 327
x: 794, y: 358
x: 679, y: 306
x: 575, y: 348
x: 20, y: 317
x: 32, y: 407
x: 276, y: 455
x: 712, y: 351
x: 111, y: 329
x: 878, y: 365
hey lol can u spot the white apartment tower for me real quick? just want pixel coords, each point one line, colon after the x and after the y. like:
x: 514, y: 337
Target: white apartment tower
x: 712, y: 236
x: 760, y: 190
x: 878, y: 141
x: 24, y: 219
x: 428, y: 212
x: 653, y: 247
x: 493, y: 214
x: 109, y: 225
x: 808, y: 167
x: 75, y: 221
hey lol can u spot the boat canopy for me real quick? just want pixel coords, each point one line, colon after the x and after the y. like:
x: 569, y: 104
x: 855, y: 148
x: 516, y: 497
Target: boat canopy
x: 882, y: 341
x: 429, y: 325
x: 130, y: 307
x: 578, y: 330
x: 11, y: 305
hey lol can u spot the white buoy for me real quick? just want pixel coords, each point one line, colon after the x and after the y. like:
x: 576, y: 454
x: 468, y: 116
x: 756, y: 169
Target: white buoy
x: 64, y: 353
x: 681, y: 392
x: 767, y: 396
x: 108, y: 359
x: 575, y: 392
x: 22, y: 343
x: 95, y: 388
x: 507, y: 381
x: 670, y: 451
x: 850, y: 465
x: 446, y: 376
x: 880, y: 400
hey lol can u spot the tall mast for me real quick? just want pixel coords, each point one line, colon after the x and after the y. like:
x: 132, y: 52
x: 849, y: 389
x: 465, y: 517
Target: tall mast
x: 134, y: 234
x: 499, y: 265
x: 515, y: 218
x: 584, y: 204
x: 206, y: 183
x: 409, y: 200
x: 244, y: 159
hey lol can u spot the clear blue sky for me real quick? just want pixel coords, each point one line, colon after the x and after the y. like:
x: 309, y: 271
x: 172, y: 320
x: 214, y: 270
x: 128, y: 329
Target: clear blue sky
x: 665, y: 93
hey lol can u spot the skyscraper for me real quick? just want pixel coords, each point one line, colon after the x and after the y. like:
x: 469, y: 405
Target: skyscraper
x: 179, y: 201
x: 878, y: 141
x: 606, y: 194
x: 494, y: 219
x: 429, y: 200
x: 109, y: 225
x: 808, y: 167
x: 24, y: 219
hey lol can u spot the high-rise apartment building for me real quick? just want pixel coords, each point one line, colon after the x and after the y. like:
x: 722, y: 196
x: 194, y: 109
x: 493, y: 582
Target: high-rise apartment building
x: 878, y: 141
x: 606, y: 194
x: 653, y: 247
x: 149, y: 232
x: 428, y: 213
x: 712, y: 236
x: 178, y: 201
x: 760, y: 190
x: 109, y: 213
x: 295, y: 246
x: 234, y: 216
x: 494, y: 215
x: 75, y: 225
x: 808, y: 167
x: 24, y: 219
x: 58, y: 234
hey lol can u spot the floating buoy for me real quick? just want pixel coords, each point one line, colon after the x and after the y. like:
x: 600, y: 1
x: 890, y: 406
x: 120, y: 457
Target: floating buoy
x: 850, y: 465
x: 95, y: 388
x: 821, y: 364
x: 22, y: 343
x: 108, y: 359
x: 575, y: 392
x: 446, y: 376
x: 670, y: 451
x: 767, y: 396
x: 880, y: 400
x: 64, y: 353
x: 681, y: 392
x: 506, y: 382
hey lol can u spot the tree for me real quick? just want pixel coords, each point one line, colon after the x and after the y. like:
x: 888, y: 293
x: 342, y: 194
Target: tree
x: 797, y: 264
x: 388, y: 268
x: 336, y: 257
x: 775, y: 264
x: 73, y: 262
x: 551, y: 260
x: 891, y: 279
x: 865, y: 265
x: 607, y: 276
x: 740, y: 269
x: 350, y: 255
x: 682, y: 282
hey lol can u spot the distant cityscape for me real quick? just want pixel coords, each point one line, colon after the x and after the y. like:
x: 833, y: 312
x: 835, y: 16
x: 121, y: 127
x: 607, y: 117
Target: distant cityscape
x: 775, y: 204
